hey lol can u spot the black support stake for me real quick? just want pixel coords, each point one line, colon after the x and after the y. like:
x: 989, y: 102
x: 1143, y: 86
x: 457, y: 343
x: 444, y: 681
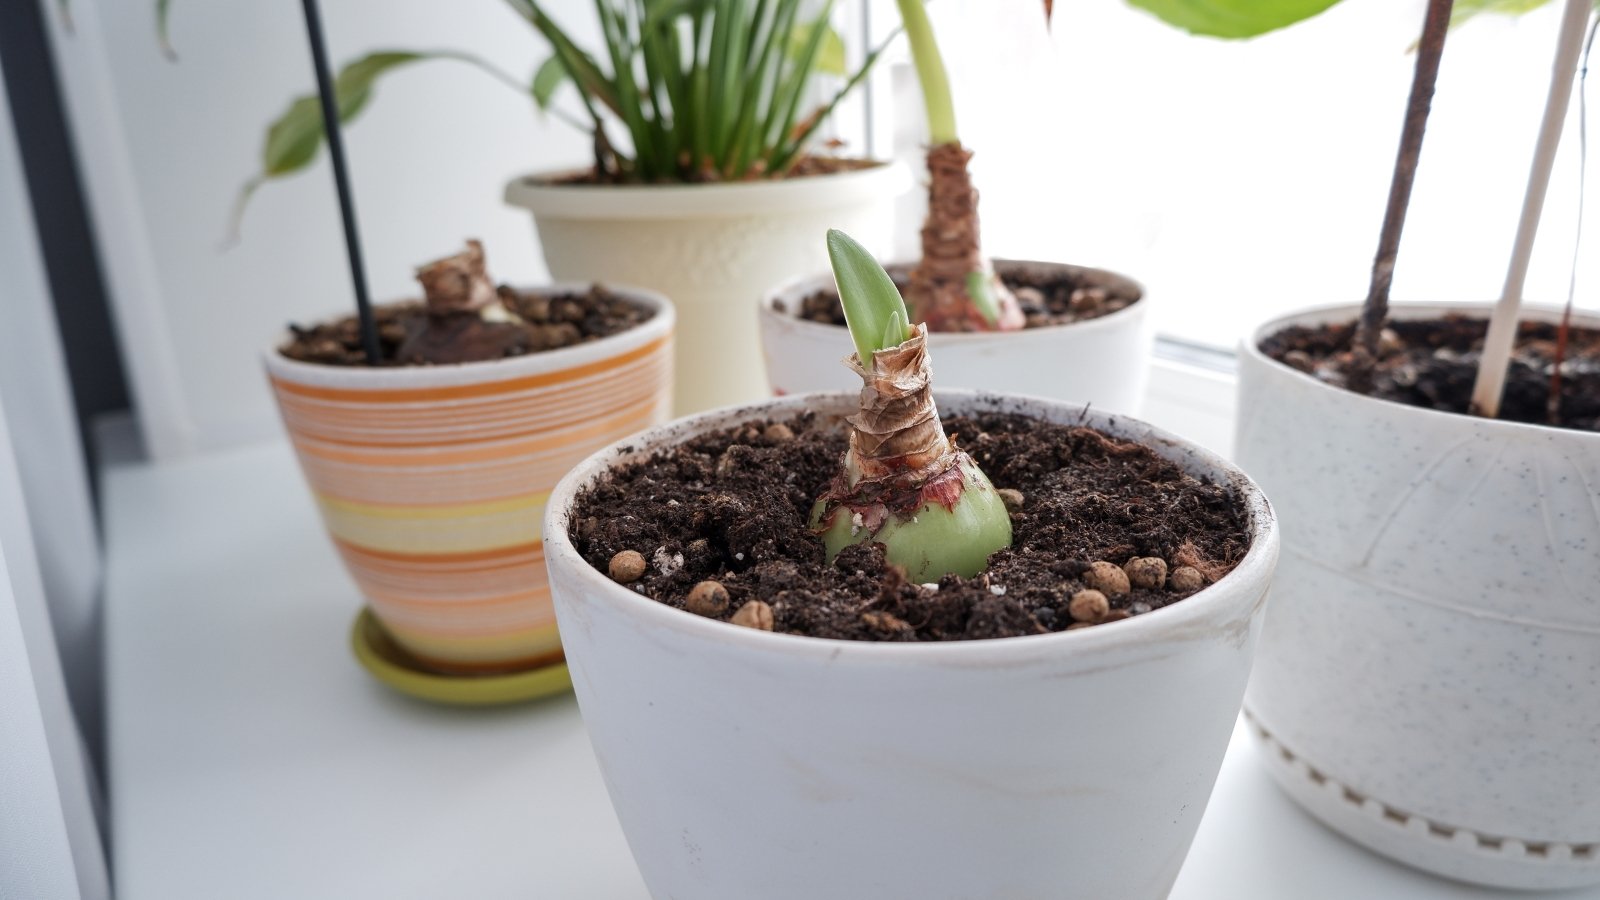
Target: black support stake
x: 341, y: 180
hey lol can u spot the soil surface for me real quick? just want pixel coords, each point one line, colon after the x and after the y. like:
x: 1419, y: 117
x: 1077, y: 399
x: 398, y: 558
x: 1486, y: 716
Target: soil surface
x: 806, y: 167
x: 1433, y: 363
x: 733, y: 507
x: 1045, y: 296
x: 408, y: 335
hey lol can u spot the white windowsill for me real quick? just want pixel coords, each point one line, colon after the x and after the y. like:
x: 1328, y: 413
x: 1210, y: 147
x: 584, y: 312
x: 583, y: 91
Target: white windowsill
x: 249, y: 751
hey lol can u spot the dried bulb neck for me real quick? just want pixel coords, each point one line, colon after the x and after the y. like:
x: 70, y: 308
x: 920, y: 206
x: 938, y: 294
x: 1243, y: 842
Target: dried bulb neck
x: 458, y: 284
x: 895, y: 431
x: 952, y: 252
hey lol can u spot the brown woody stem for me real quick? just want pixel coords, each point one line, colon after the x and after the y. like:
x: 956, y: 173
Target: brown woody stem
x: 952, y: 250
x: 1429, y: 51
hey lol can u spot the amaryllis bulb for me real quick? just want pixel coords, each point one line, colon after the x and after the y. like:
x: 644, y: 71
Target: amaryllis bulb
x: 902, y: 483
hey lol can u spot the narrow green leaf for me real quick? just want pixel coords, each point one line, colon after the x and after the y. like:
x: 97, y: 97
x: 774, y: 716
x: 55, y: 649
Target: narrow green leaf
x: 1232, y: 18
x: 550, y: 76
x: 786, y: 157
x: 787, y: 101
x: 872, y: 304
x: 931, y: 72
x: 894, y: 333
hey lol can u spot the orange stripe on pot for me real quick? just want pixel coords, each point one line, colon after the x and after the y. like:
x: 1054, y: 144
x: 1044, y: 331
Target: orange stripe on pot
x: 497, y: 553
x: 553, y: 440
x: 462, y: 391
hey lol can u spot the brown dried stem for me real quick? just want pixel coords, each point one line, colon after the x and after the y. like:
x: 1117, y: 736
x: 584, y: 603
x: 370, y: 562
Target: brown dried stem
x: 459, y: 283
x: 896, y: 430
x: 1430, y: 49
x: 952, y: 250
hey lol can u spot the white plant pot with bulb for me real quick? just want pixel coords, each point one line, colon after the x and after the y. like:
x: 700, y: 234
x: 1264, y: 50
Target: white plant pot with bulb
x: 744, y: 764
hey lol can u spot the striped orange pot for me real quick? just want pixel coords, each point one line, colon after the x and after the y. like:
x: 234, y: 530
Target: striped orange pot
x: 432, y: 480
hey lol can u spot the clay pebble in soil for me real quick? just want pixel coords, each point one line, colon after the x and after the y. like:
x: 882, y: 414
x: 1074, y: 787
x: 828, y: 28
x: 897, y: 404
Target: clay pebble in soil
x: 1432, y: 364
x: 1046, y: 298
x: 708, y: 598
x: 626, y: 567
x: 1186, y: 579
x: 733, y: 506
x: 550, y: 321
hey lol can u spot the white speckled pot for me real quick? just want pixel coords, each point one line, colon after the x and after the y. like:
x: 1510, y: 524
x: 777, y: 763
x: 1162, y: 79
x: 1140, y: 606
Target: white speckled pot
x: 1103, y: 362
x: 713, y: 249
x: 1429, y: 681
x: 745, y: 764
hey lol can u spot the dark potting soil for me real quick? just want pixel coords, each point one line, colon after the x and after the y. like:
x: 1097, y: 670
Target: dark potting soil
x: 1432, y: 364
x: 806, y: 167
x: 409, y: 336
x: 1046, y: 297
x: 733, y: 506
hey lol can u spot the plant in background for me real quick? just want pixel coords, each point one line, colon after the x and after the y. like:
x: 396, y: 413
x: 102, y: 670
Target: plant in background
x: 903, y: 482
x: 953, y: 286
x: 682, y: 91
x: 1243, y: 18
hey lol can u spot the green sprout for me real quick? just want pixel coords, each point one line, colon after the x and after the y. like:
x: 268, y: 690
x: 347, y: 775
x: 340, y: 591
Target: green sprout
x: 902, y: 483
x: 872, y: 305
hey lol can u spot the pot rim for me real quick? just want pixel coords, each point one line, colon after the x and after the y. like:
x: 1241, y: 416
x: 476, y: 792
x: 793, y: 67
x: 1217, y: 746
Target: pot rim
x: 1202, y: 612
x: 657, y: 326
x: 679, y: 201
x: 1250, y: 350
x: 805, y: 283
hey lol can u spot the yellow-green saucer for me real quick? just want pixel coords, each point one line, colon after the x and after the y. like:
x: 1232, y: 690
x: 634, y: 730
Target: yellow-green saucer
x: 389, y: 663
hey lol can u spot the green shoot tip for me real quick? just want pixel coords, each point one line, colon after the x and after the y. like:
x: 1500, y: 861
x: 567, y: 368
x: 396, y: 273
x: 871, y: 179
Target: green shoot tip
x: 872, y: 304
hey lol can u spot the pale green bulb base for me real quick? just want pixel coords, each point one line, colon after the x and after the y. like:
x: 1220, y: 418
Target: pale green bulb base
x: 932, y: 541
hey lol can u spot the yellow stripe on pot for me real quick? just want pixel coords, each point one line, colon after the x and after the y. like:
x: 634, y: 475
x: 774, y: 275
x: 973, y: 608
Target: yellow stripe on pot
x: 417, y: 529
x: 519, y: 649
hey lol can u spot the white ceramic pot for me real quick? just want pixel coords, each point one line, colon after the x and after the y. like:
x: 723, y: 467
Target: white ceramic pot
x: 746, y: 764
x: 713, y: 249
x: 1103, y: 362
x: 432, y: 480
x: 1429, y: 680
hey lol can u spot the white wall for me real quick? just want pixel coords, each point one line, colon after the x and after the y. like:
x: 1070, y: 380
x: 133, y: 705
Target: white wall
x: 165, y: 146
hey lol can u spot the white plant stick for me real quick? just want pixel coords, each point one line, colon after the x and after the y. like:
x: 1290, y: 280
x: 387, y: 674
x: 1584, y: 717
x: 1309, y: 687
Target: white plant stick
x: 1492, y: 368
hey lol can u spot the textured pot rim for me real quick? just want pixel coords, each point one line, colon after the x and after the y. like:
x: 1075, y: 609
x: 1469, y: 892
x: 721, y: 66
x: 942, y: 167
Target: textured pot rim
x: 399, y: 377
x: 1201, y: 609
x: 814, y: 281
x: 703, y: 201
x: 1250, y: 349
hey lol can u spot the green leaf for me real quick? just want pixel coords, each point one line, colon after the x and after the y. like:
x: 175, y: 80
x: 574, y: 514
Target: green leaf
x: 871, y: 301
x: 293, y: 139
x: 1232, y: 18
x: 295, y: 136
x: 551, y: 75
x: 1466, y: 10
x: 830, y: 54
x: 931, y: 74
